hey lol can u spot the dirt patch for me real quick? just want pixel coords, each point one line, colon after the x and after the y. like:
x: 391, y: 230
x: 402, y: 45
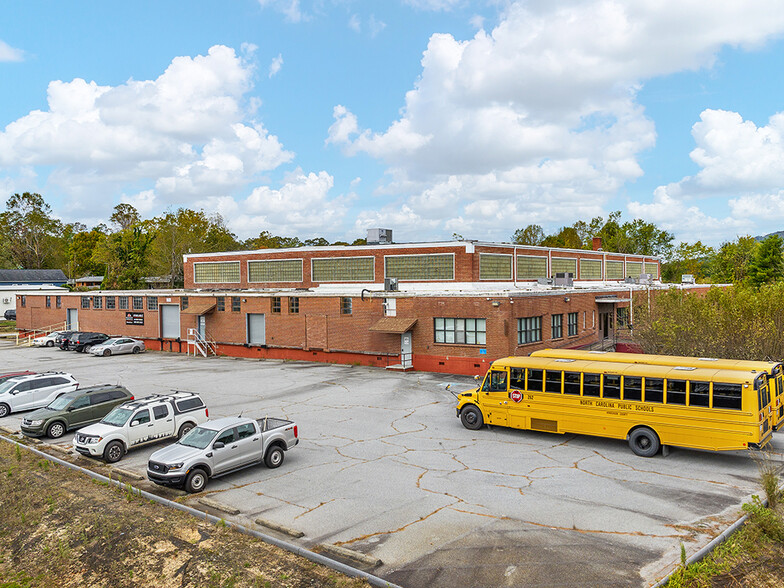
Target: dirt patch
x: 61, y: 528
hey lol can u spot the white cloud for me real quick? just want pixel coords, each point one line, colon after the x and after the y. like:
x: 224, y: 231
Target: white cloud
x: 433, y: 4
x: 375, y: 26
x: 8, y: 53
x: 275, y: 66
x: 145, y: 202
x: 354, y: 23
x: 290, y: 9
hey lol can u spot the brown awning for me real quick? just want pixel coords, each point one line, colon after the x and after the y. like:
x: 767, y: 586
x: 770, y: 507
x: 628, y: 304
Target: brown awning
x: 200, y: 306
x: 393, y: 324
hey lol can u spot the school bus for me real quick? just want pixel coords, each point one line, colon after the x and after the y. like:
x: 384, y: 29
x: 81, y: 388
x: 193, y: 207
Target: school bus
x: 647, y: 405
x: 773, y: 369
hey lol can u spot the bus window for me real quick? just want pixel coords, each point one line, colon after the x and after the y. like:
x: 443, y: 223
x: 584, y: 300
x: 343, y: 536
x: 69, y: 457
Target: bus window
x: 654, y: 390
x: 552, y: 381
x: 591, y: 384
x: 699, y: 393
x: 517, y: 378
x: 535, y: 380
x: 761, y: 385
x: 496, y: 382
x: 612, y: 386
x: 632, y: 388
x: 676, y: 391
x: 727, y: 396
x: 572, y: 383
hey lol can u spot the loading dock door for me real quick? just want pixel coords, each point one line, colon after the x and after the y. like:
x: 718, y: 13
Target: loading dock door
x: 170, y: 321
x: 72, y: 319
x: 256, y: 330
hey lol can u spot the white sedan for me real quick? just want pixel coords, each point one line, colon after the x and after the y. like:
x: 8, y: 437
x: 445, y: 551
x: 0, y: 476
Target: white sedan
x: 46, y: 340
x: 118, y: 345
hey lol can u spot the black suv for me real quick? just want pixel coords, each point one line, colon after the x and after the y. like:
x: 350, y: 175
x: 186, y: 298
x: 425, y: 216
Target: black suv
x: 83, y: 342
x: 63, y: 340
x: 10, y: 314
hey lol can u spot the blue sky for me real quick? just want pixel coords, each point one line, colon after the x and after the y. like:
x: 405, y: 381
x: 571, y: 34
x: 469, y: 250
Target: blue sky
x: 430, y: 117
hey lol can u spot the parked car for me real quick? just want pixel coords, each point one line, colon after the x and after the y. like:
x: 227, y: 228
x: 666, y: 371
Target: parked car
x: 47, y: 340
x: 220, y: 447
x: 118, y: 345
x: 10, y: 314
x: 63, y: 341
x: 6, y: 376
x: 84, y: 406
x: 34, y: 391
x: 140, y: 422
x: 84, y: 341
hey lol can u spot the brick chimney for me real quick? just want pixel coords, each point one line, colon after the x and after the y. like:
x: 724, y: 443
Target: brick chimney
x: 597, y: 243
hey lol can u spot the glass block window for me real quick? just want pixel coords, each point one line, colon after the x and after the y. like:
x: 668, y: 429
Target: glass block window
x: 572, y: 319
x: 564, y: 265
x: 236, y: 304
x: 110, y: 303
x: 276, y: 304
x: 530, y: 267
x: 345, y: 305
x: 590, y: 269
x: 495, y: 267
x: 220, y: 303
x: 275, y: 270
x: 85, y: 302
x: 614, y: 270
x: 529, y: 329
x: 138, y: 303
x: 215, y: 272
x: 463, y: 331
x: 294, y: 305
x: 633, y: 269
x: 123, y: 300
x: 152, y: 303
x: 652, y: 268
x: 97, y: 302
x: 420, y: 267
x: 343, y: 269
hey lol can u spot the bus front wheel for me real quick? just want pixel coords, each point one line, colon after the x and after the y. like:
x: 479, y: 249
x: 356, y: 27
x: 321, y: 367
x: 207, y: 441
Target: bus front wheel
x: 471, y: 417
x: 644, y: 442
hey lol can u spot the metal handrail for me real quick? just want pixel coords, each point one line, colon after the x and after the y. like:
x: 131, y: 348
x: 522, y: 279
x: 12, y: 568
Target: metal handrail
x: 200, y: 344
x: 27, y: 339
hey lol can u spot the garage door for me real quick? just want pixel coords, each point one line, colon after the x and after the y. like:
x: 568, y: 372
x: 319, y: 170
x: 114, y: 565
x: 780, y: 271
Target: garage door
x: 170, y: 321
x: 256, y: 330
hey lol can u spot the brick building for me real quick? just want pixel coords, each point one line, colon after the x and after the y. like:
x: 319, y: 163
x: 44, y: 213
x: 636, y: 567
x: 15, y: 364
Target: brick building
x: 447, y: 307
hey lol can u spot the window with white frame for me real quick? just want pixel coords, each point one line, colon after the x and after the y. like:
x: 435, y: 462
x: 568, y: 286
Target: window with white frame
x: 463, y: 331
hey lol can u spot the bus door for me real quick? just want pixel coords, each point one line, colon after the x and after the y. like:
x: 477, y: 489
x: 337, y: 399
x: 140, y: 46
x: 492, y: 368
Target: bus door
x: 494, y: 397
x: 765, y: 414
x: 775, y: 381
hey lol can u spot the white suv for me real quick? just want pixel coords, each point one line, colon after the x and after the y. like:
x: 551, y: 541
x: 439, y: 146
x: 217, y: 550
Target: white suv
x: 34, y: 391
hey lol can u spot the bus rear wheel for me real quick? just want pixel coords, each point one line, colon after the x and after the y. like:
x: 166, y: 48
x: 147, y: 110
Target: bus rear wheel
x: 471, y: 417
x: 644, y: 442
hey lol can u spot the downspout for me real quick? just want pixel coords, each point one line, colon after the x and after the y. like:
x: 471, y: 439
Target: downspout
x: 514, y: 267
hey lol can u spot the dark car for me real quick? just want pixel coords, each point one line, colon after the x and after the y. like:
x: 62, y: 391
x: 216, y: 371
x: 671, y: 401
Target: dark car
x: 83, y: 341
x: 63, y: 340
x: 10, y: 315
x: 73, y: 410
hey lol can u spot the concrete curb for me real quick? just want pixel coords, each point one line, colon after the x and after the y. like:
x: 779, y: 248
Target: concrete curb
x: 9, y: 431
x: 60, y: 448
x: 126, y: 474
x: 351, y: 554
x: 280, y: 528
x: 207, y: 501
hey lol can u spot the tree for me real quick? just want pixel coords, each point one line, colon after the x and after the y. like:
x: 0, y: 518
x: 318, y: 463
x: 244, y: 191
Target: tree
x: 30, y: 233
x: 566, y: 237
x: 125, y: 216
x: 688, y: 258
x: 267, y: 240
x: 316, y: 242
x: 731, y: 263
x: 530, y: 235
x: 767, y: 264
x: 126, y: 255
x: 80, y: 254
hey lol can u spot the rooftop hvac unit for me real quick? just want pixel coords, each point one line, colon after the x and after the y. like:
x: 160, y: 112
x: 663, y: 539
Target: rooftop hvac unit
x: 646, y: 278
x: 544, y: 281
x: 390, y: 284
x: 379, y: 236
x: 631, y: 280
x: 564, y: 279
x: 687, y: 279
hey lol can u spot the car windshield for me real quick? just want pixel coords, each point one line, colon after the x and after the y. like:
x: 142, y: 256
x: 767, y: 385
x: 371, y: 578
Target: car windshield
x: 110, y: 342
x: 118, y: 417
x: 60, y: 403
x: 198, y: 438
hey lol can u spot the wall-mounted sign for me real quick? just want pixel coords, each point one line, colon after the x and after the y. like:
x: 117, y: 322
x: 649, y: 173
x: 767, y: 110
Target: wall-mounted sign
x: 134, y: 318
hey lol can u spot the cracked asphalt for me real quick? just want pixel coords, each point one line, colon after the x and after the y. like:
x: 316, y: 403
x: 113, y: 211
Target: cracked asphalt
x: 385, y: 468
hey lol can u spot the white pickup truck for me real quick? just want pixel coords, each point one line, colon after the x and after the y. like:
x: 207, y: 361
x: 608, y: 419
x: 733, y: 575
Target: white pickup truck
x: 219, y: 447
x: 139, y: 422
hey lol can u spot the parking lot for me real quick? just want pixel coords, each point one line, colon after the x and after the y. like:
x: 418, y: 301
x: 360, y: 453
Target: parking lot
x: 385, y: 468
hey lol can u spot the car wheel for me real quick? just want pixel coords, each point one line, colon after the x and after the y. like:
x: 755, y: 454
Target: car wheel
x: 184, y: 430
x: 56, y: 430
x: 274, y: 457
x: 113, y: 452
x: 471, y: 417
x: 196, y: 481
x: 5, y: 410
x: 107, y: 352
x: 644, y: 442
x: 50, y: 343
x: 86, y: 348
x: 136, y: 350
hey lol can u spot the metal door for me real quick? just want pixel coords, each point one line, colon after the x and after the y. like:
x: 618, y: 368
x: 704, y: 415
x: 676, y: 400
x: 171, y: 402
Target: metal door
x: 256, y: 330
x: 170, y: 321
x: 201, y: 326
x: 72, y: 319
x: 406, y: 347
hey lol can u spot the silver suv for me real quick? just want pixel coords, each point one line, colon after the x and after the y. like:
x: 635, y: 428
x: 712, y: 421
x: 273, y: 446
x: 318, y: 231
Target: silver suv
x: 34, y: 391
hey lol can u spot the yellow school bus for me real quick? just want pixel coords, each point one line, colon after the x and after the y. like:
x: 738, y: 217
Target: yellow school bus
x: 773, y: 369
x: 647, y: 405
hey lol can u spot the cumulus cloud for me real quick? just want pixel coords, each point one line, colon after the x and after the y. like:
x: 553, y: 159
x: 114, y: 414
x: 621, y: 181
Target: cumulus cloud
x: 290, y: 9
x: 436, y: 5
x: 539, y: 116
x: 8, y: 53
x: 275, y: 66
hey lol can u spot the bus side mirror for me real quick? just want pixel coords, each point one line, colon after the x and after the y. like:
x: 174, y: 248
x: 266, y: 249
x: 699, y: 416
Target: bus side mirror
x: 477, y: 378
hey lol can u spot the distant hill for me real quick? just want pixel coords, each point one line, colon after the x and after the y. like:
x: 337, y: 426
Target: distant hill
x: 763, y: 237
